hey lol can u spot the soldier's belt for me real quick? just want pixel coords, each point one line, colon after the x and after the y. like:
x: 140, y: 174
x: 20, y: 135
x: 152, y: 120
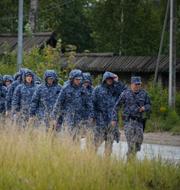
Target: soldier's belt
x: 128, y: 118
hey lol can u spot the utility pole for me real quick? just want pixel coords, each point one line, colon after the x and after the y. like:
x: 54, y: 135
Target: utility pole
x: 20, y: 35
x: 172, y: 55
x: 121, y: 4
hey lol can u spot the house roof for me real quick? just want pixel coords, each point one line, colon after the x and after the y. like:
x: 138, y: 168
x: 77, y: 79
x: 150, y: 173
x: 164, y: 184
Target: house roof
x: 10, y: 41
x: 100, y: 62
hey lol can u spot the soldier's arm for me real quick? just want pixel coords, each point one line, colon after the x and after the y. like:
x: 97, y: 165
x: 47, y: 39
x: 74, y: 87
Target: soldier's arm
x: 58, y: 105
x: 35, y: 102
x: 94, y: 103
x: 90, y: 107
x: 9, y: 98
x: 3, y: 96
x: 4, y: 93
x: 124, y: 86
x: 118, y: 104
x: 59, y: 88
x: 147, y: 105
x: 16, y: 100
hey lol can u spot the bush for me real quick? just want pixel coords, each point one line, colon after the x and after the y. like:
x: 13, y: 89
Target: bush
x: 175, y: 130
x: 162, y: 118
x: 172, y: 120
x: 178, y: 103
x: 38, y: 61
x: 8, y: 63
x: 48, y: 58
x: 159, y: 100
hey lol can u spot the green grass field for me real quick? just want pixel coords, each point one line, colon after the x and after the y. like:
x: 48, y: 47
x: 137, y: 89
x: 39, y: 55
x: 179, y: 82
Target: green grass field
x: 36, y: 160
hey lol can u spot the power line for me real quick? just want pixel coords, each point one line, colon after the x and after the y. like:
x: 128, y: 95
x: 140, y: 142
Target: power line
x: 161, y: 43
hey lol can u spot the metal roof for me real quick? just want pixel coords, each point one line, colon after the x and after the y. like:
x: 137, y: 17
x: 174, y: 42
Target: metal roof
x: 9, y: 41
x: 100, y: 62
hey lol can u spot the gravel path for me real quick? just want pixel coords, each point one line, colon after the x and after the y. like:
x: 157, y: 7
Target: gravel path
x: 163, y: 138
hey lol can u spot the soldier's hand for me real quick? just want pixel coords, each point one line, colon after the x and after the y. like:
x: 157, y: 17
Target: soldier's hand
x: 113, y: 123
x: 53, y: 124
x: 7, y: 113
x: 31, y: 121
x: 142, y: 109
x: 92, y: 121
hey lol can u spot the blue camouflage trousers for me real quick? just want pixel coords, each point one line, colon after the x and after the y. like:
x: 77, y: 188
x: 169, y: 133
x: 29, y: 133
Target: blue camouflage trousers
x: 134, y: 135
x: 77, y: 131
x: 107, y: 134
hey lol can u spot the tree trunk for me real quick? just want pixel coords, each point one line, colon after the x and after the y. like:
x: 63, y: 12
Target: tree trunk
x: 33, y: 14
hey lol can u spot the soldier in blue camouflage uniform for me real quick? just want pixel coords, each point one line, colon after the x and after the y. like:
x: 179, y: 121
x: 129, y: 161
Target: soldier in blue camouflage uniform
x: 104, y: 99
x: 22, y: 97
x: 45, y: 97
x: 119, y: 85
x: 7, y: 80
x: 37, y: 80
x: 136, y: 103
x: 87, y: 97
x: 69, y: 103
x: 119, y: 88
x: 59, y: 122
x: 3, y: 92
x: 16, y: 82
x: 87, y: 106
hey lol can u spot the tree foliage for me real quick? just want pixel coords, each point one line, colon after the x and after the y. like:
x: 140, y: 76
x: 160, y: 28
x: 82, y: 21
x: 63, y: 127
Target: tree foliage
x: 121, y: 26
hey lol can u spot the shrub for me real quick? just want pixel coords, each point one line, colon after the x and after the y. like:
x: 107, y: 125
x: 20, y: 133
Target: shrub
x: 172, y: 120
x: 39, y: 61
x: 159, y: 100
x: 162, y: 118
x: 178, y: 103
x: 48, y: 58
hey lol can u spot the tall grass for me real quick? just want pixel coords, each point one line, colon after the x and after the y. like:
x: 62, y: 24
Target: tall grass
x: 37, y: 160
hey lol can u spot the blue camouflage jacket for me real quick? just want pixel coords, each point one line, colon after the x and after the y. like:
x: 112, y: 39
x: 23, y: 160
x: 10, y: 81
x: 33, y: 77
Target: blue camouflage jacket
x: 45, y: 96
x: 23, y: 93
x: 3, y: 92
x: 131, y: 102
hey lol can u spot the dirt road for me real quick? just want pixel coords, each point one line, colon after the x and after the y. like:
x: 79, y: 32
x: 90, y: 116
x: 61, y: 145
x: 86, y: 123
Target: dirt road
x: 163, y: 138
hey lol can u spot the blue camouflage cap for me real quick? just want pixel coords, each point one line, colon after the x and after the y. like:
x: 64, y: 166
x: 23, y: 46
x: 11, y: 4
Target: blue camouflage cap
x: 87, y: 77
x: 136, y: 80
x: 1, y: 79
x: 8, y: 78
x: 75, y: 74
x: 107, y: 75
x: 50, y: 74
